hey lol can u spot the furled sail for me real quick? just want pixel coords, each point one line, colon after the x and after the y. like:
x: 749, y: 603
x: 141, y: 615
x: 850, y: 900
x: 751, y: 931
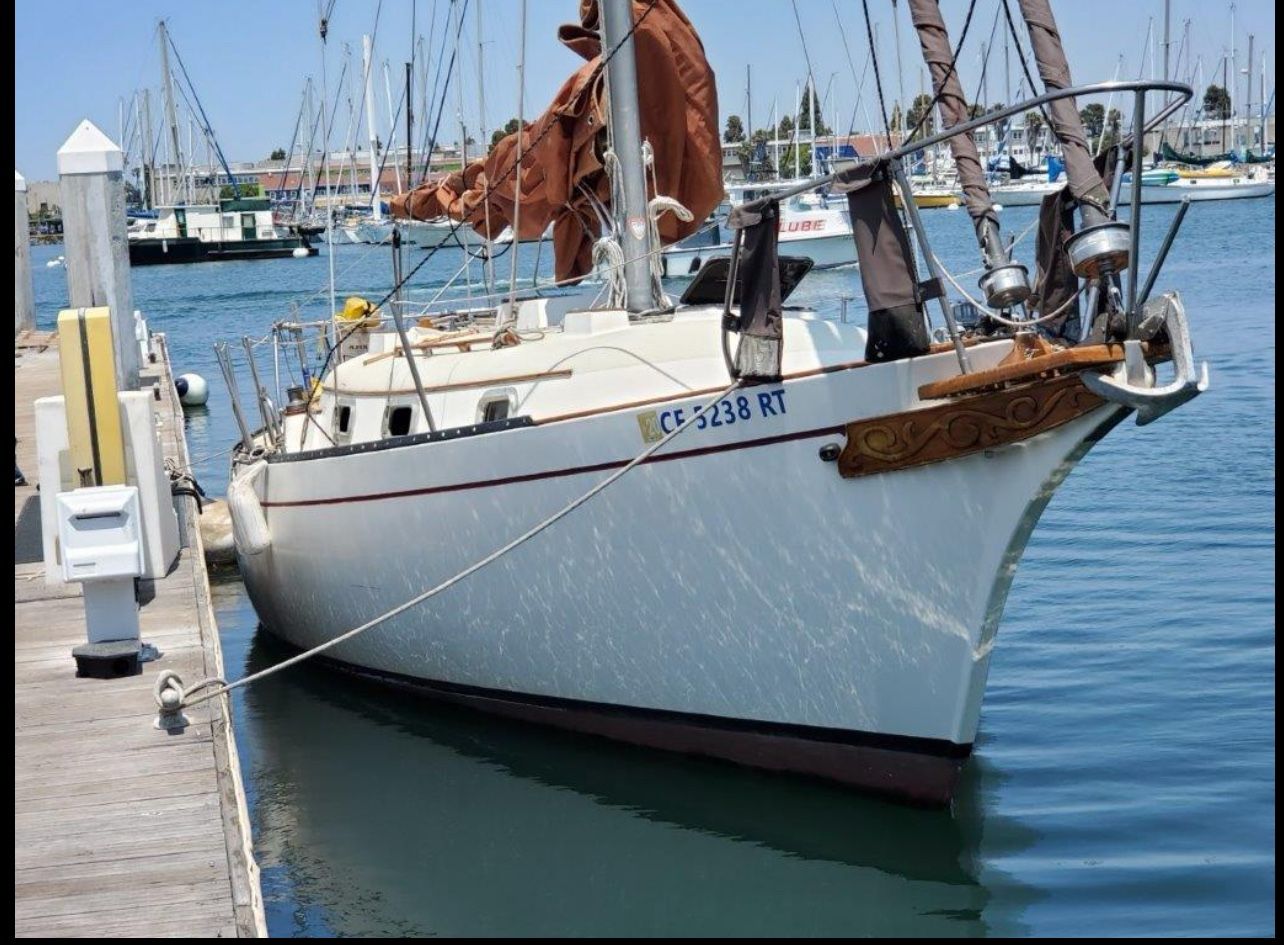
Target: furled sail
x: 935, y: 42
x: 1169, y: 153
x: 562, y: 171
x: 1045, y: 40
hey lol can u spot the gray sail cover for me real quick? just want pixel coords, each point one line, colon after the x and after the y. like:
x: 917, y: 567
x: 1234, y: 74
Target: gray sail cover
x: 1085, y: 183
x: 897, y: 324
x: 935, y: 42
x: 1055, y: 284
x: 761, y: 321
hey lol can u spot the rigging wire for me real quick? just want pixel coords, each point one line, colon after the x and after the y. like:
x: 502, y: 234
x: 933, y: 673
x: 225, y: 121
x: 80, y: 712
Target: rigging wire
x: 441, y: 104
x: 208, y: 129
x: 954, y: 61
x: 878, y: 74
x: 512, y: 168
x: 860, y: 83
x: 1025, y: 65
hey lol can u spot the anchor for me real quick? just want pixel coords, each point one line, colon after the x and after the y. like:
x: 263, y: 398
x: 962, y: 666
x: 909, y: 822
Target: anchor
x: 1133, y: 391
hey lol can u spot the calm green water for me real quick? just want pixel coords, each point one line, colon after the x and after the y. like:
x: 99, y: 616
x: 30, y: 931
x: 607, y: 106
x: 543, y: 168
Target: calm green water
x: 1123, y: 780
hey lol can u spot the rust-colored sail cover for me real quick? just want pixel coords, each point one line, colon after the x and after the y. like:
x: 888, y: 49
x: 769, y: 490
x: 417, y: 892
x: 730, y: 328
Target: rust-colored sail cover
x: 562, y: 149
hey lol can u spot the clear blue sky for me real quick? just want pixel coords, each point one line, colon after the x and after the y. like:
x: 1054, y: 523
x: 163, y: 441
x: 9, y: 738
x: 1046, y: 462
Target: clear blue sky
x: 76, y: 58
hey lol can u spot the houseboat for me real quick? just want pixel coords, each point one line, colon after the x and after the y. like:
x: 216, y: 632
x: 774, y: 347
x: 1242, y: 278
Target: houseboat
x: 237, y: 228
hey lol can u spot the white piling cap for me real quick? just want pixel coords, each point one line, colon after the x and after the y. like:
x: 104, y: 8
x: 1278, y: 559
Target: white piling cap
x: 19, y: 183
x: 89, y: 151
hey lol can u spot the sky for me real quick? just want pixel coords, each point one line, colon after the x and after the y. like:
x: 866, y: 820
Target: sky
x: 248, y: 59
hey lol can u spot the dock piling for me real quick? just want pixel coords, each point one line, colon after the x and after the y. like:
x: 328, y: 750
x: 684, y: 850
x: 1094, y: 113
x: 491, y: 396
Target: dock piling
x: 24, y: 306
x: 91, y: 179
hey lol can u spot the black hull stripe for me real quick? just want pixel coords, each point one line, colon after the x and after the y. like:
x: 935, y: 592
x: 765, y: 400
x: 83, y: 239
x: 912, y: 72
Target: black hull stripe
x: 918, y: 771
x: 559, y: 473
x: 911, y: 744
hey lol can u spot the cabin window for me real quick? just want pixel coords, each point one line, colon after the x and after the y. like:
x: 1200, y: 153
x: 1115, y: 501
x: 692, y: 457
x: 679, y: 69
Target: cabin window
x: 496, y: 405
x: 396, y: 421
x: 344, y: 423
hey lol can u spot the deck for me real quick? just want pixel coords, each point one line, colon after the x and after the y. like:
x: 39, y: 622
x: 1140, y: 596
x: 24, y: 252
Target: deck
x: 120, y: 829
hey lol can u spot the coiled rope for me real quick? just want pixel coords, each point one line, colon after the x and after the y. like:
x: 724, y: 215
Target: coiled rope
x: 656, y: 207
x: 172, y: 697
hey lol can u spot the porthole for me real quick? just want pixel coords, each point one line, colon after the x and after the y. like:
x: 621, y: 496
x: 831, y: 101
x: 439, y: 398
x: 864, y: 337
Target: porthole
x: 396, y: 421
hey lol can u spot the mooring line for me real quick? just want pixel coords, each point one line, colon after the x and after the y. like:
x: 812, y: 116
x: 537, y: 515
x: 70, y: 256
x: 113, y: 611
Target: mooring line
x: 172, y: 697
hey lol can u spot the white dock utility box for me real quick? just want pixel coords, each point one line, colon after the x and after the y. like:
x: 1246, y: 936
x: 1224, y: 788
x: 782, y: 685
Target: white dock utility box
x: 99, y: 531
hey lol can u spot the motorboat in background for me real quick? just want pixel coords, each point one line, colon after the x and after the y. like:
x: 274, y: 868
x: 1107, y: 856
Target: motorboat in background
x: 810, y: 226
x: 230, y: 229
x: 1173, y: 185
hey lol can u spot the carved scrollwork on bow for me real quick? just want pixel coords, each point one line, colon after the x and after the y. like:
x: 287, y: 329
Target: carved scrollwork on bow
x: 986, y: 421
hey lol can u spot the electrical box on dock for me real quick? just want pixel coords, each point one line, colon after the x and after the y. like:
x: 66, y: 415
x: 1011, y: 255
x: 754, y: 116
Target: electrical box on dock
x: 99, y: 533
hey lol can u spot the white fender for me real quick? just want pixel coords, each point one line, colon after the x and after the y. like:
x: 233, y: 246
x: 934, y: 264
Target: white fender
x: 249, y: 525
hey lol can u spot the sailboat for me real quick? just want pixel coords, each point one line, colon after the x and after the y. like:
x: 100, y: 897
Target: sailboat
x: 1169, y: 185
x: 716, y: 525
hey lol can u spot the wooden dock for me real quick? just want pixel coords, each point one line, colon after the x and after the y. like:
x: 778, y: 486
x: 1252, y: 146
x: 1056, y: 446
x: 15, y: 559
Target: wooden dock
x: 120, y: 829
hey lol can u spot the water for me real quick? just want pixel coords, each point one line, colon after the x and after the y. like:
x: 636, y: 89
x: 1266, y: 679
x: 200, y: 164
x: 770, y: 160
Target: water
x: 1123, y: 780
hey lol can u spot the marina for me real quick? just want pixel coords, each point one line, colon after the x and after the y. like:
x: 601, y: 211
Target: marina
x: 642, y: 566
x: 107, y: 809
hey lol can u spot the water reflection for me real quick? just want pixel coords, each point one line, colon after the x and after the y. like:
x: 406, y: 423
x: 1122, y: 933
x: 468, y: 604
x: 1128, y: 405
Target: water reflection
x: 392, y: 814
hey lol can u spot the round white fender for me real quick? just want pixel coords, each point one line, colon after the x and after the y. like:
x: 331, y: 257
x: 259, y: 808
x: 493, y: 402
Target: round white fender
x: 249, y: 524
x: 193, y: 390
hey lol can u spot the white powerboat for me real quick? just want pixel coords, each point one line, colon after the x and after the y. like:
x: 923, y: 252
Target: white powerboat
x: 809, y: 226
x: 1168, y: 186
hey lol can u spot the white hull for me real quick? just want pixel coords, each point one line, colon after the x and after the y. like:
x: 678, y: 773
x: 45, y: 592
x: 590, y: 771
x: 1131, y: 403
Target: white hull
x: 1197, y: 189
x: 1023, y: 196
x: 433, y: 233
x: 737, y: 581
x: 825, y: 252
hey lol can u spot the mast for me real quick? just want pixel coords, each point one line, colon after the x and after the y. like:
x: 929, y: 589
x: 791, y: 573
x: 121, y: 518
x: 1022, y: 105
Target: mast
x: 626, y: 133
x: 168, y: 88
x: 1167, y: 12
x: 410, y: 132
x: 392, y: 124
x: 325, y: 162
x: 422, y: 59
x: 775, y: 141
x: 149, y: 170
x: 1007, y: 72
x: 1226, y: 86
x: 749, y: 104
x: 482, y: 143
x: 1248, y: 96
x: 900, y: 72
x: 367, y: 59
x: 488, y: 263
x: 811, y: 120
x: 517, y: 173
x: 985, y: 78
x: 1261, y: 148
x: 350, y: 137
x: 1228, y: 71
x: 797, y: 119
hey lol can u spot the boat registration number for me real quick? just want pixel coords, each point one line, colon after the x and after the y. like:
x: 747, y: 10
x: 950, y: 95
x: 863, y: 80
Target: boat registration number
x: 737, y: 408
